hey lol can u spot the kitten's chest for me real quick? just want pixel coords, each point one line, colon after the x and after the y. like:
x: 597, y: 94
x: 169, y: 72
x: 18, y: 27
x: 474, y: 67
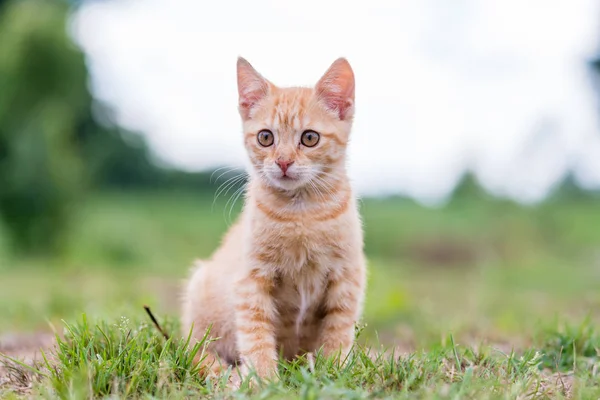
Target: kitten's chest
x: 305, y: 260
x: 300, y: 297
x: 302, y: 249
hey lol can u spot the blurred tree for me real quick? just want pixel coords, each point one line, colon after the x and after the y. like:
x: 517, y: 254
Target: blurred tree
x: 596, y: 65
x: 51, y: 144
x: 469, y: 188
x: 43, y: 94
x: 118, y: 159
x: 570, y: 190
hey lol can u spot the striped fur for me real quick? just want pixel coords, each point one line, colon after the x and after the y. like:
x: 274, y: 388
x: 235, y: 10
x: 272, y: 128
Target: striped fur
x: 290, y: 275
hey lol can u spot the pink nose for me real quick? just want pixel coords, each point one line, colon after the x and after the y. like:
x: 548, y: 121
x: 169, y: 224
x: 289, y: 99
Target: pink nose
x: 284, y: 165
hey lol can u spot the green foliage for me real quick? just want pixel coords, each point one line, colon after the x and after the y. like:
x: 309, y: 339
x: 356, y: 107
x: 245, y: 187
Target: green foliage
x: 51, y: 146
x: 469, y: 188
x: 121, y: 359
x: 136, y: 247
x: 118, y: 159
x: 571, y: 347
x: 126, y: 360
x: 43, y: 81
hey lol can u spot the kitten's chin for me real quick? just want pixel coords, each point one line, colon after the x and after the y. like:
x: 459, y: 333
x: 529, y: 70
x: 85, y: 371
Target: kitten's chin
x: 286, y: 183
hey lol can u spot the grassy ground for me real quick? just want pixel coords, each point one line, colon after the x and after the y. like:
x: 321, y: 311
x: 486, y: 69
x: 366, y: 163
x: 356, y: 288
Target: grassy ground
x: 452, y: 292
x: 129, y: 359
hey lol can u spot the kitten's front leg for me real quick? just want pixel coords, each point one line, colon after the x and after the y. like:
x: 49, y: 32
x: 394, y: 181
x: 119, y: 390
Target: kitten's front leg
x: 342, y: 309
x: 255, y: 323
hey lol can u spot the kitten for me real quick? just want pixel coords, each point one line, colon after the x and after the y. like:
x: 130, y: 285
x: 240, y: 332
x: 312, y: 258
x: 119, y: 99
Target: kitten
x: 289, y: 277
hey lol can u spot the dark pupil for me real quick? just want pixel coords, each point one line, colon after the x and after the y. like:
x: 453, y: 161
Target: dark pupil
x: 309, y: 137
x: 265, y: 137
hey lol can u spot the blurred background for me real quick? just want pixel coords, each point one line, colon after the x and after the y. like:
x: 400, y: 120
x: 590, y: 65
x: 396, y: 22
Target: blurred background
x: 476, y: 152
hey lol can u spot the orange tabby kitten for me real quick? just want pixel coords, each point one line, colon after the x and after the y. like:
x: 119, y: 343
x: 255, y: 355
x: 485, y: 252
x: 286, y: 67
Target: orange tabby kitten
x: 290, y: 275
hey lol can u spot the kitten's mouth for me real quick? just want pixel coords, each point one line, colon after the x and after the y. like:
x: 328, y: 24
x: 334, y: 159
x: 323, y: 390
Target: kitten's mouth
x: 286, y: 181
x: 286, y: 176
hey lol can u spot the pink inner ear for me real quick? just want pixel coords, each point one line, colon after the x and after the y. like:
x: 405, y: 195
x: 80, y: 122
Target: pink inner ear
x: 248, y: 100
x: 252, y: 96
x: 252, y: 87
x: 336, y: 88
x: 338, y: 103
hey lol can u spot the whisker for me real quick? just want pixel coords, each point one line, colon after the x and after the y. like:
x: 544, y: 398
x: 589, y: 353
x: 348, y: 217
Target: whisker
x: 227, y: 185
x: 318, y: 191
x: 230, y: 179
x: 235, y: 196
x: 231, y: 169
x: 225, y: 173
x: 241, y: 177
x: 325, y: 186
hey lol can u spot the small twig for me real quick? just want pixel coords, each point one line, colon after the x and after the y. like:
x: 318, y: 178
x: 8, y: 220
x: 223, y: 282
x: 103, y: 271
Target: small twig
x: 156, y: 324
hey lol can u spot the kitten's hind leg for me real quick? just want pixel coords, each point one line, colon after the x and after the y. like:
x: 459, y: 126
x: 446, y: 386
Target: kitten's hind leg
x: 206, y: 319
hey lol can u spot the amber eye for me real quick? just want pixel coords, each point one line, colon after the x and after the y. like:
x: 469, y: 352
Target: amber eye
x: 310, y: 138
x: 265, y: 138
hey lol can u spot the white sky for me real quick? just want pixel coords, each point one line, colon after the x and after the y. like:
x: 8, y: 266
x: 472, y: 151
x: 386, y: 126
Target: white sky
x: 500, y: 87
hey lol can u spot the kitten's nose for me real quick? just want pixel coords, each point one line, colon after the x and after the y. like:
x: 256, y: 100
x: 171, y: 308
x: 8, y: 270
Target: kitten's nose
x: 284, y: 165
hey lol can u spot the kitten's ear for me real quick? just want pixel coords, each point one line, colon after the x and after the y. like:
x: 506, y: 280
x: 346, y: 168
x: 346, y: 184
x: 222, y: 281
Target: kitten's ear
x: 252, y: 87
x: 336, y: 89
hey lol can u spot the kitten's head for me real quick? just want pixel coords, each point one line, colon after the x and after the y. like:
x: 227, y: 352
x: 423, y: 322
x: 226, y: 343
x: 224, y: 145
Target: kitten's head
x: 296, y: 137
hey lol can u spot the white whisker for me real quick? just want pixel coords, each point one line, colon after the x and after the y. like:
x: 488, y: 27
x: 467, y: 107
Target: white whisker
x: 226, y: 186
x: 229, y: 169
x: 235, y: 196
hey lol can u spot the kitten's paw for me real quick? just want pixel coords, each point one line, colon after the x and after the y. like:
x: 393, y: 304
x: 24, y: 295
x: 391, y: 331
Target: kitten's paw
x: 310, y: 358
x: 341, y: 354
x: 210, y: 366
x: 234, y: 382
x: 263, y: 371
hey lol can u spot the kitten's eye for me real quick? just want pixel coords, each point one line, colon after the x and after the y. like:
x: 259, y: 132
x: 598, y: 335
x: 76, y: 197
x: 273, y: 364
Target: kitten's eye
x: 265, y: 138
x: 310, y: 138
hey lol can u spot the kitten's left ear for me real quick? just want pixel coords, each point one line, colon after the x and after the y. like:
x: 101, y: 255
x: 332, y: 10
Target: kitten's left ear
x: 336, y: 89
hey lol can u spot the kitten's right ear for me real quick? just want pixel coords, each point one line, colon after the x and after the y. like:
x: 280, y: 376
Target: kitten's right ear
x: 252, y: 87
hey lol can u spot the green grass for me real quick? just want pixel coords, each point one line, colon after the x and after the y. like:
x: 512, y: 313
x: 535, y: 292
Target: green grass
x: 125, y: 359
x: 452, y: 291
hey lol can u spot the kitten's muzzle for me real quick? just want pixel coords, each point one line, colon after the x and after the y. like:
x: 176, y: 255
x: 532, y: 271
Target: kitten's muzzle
x: 283, y: 165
